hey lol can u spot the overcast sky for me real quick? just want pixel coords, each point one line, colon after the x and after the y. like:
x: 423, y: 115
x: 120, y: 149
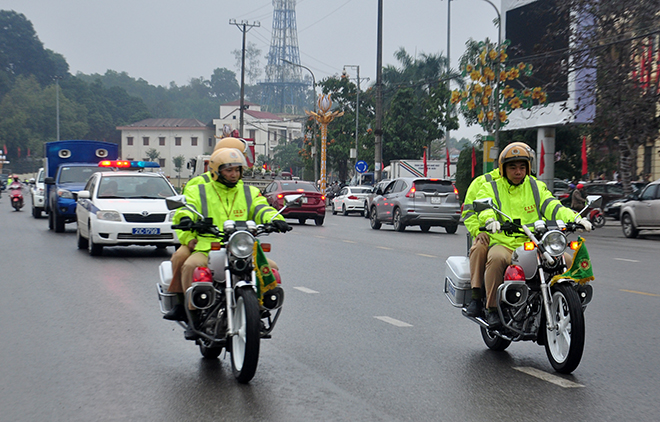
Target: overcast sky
x: 162, y: 41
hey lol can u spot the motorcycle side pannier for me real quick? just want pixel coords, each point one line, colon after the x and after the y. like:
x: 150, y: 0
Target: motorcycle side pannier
x: 166, y: 299
x: 457, y: 281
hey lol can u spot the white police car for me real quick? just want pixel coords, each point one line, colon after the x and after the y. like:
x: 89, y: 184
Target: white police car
x: 121, y: 208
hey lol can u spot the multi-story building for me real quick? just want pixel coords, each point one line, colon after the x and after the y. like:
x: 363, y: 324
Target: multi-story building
x: 267, y: 129
x: 169, y: 138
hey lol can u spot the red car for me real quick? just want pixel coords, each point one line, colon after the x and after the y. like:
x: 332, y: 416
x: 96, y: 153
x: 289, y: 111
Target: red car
x: 313, y: 206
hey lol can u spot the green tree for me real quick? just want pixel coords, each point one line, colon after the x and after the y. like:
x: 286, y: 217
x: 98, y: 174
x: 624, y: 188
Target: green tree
x: 178, y: 162
x: 23, y: 54
x: 153, y: 154
x: 287, y: 155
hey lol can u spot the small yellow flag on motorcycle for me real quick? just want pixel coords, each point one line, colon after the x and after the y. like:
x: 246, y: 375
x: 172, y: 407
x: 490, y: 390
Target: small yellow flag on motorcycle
x: 581, y: 270
x: 265, y: 278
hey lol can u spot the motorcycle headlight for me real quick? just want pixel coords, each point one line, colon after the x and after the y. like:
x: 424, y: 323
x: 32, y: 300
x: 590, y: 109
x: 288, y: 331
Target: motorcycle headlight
x: 108, y: 215
x: 554, y: 242
x: 241, y: 244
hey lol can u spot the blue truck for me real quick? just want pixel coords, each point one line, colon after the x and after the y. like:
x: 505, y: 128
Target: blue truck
x: 68, y: 165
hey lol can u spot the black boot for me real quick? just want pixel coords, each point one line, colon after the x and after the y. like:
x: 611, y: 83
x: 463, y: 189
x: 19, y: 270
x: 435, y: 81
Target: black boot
x: 177, y: 313
x: 493, y: 319
x: 474, y: 309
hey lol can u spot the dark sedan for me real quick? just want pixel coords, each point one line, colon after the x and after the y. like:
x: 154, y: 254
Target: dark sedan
x: 313, y: 201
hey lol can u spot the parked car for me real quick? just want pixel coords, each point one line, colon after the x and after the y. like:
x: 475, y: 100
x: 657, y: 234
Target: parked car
x: 37, y: 194
x: 313, y: 201
x: 613, y: 208
x: 417, y: 201
x: 122, y: 208
x: 369, y: 200
x: 351, y: 199
x: 642, y: 212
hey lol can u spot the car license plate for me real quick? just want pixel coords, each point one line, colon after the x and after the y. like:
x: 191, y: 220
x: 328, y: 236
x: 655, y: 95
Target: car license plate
x: 436, y: 200
x: 139, y: 230
x: 304, y: 199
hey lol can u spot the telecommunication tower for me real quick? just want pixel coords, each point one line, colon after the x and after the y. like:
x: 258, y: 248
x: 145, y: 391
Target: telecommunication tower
x: 283, y: 91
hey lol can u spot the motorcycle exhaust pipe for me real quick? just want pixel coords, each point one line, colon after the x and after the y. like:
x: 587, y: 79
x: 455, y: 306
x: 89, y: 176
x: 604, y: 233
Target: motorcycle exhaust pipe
x: 201, y: 295
x: 514, y: 293
x: 273, y: 298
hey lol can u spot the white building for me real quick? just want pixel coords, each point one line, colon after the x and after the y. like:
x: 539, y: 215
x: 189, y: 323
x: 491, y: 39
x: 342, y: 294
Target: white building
x: 267, y: 129
x: 170, y: 137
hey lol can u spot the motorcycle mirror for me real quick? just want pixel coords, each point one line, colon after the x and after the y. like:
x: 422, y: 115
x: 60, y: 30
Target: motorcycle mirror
x: 293, y: 200
x: 175, y: 202
x: 483, y: 204
x: 594, y: 201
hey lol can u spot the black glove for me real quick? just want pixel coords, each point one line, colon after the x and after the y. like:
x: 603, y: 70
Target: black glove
x: 282, y: 226
x: 185, y: 223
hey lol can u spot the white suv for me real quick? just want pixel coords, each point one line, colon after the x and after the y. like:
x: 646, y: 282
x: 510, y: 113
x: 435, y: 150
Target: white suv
x: 37, y: 194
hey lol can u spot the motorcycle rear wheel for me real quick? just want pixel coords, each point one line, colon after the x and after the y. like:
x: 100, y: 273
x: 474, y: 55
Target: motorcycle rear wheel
x: 209, y: 352
x: 564, y: 346
x: 494, y: 342
x: 244, y: 346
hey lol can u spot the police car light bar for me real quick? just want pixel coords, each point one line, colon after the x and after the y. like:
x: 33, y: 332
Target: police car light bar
x: 129, y: 164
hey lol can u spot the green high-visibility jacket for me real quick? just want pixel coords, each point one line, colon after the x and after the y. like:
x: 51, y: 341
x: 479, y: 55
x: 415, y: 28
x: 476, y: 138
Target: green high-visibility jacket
x: 469, y: 216
x: 530, y: 201
x: 215, y: 200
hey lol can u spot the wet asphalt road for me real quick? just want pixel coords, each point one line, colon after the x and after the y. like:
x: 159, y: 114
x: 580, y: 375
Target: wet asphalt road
x: 366, y: 334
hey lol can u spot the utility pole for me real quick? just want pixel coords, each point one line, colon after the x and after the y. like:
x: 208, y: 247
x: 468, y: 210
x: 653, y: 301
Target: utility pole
x: 57, y: 104
x: 448, y: 70
x: 378, y: 153
x: 244, y: 27
x: 357, y: 107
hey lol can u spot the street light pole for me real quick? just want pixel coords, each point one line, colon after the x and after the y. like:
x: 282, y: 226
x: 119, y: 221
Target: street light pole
x: 57, y: 104
x: 244, y: 27
x: 315, y: 149
x: 497, y: 75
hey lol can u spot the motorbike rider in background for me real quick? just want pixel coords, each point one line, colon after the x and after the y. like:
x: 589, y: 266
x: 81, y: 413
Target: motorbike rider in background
x: 577, y: 199
x: 223, y: 198
x: 480, y: 240
x: 522, y: 197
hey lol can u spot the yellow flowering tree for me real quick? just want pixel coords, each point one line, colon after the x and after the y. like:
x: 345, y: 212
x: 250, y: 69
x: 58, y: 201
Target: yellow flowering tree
x: 493, y: 87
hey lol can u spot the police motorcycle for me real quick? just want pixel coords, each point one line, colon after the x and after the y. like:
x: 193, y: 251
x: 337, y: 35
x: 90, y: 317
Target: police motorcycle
x: 536, y: 301
x: 233, y: 313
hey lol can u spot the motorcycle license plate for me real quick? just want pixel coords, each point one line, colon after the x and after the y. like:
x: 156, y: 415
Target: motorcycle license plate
x: 139, y: 230
x: 436, y: 200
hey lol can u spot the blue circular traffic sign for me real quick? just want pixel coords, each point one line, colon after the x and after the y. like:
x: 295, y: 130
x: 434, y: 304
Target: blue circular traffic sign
x: 361, y: 166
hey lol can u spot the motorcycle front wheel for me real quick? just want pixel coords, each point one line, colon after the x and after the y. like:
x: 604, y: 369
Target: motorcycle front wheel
x: 244, y: 345
x: 564, y: 345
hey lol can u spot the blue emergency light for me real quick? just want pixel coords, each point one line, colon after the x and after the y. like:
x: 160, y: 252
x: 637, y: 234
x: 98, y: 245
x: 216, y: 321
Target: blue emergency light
x: 129, y: 164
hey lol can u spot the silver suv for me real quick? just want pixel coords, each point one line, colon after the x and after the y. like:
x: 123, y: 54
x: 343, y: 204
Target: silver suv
x: 416, y: 201
x: 642, y: 211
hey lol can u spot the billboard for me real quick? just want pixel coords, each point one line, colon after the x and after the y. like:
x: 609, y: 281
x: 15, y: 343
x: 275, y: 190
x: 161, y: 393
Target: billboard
x: 539, y: 35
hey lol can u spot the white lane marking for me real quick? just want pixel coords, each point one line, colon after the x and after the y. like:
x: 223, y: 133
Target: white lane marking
x: 426, y: 256
x: 320, y: 237
x: 548, y: 377
x: 306, y: 290
x: 384, y: 247
x: 627, y: 260
x: 348, y: 241
x: 393, y: 321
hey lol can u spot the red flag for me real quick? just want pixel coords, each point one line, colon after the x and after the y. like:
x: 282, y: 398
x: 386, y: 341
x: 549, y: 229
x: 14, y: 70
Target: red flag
x: 474, y: 161
x: 584, y: 156
x: 19, y: 152
x: 5, y: 147
x: 448, y: 162
x: 425, y: 167
x: 28, y: 151
x: 542, y: 160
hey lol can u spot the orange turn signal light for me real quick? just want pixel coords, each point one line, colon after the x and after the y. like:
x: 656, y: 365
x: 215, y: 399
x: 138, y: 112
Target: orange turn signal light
x: 265, y: 247
x: 529, y: 246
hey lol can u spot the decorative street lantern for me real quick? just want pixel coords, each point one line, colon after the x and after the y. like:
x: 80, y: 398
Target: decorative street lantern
x: 323, y: 117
